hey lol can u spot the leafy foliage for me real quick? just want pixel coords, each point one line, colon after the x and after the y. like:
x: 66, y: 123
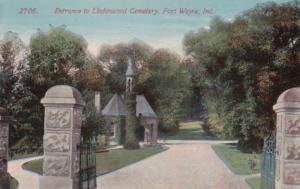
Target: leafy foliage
x: 93, y: 124
x: 56, y: 57
x: 15, y: 95
x: 165, y: 82
x: 243, y: 66
x: 162, y: 78
x: 115, y: 58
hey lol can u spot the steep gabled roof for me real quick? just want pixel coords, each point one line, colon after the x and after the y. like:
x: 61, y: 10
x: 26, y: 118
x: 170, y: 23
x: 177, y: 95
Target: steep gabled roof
x: 143, y: 107
x: 115, y: 107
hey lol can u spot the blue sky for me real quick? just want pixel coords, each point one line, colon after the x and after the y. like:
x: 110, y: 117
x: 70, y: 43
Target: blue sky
x: 160, y: 31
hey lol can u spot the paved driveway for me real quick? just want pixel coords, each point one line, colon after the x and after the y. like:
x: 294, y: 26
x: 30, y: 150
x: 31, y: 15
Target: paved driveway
x: 26, y: 179
x: 185, y: 165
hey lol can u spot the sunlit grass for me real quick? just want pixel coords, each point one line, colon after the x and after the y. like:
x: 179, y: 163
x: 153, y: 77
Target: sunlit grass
x: 237, y: 161
x: 189, y: 131
x: 107, y: 161
x: 191, y: 125
x: 13, y: 183
x: 254, y: 182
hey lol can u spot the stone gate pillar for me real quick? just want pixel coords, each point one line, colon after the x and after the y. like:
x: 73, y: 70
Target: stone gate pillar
x: 62, y: 129
x: 4, y: 127
x: 287, y: 108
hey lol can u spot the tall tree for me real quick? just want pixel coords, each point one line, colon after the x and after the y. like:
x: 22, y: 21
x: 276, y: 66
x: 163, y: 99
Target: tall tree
x: 244, y: 65
x: 59, y: 57
x: 55, y: 56
x: 161, y: 77
x: 115, y: 58
x: 14, y: 93
x: 165, y: 81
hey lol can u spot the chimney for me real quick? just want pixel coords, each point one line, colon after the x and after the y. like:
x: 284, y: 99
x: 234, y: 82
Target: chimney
x: 98, y: 102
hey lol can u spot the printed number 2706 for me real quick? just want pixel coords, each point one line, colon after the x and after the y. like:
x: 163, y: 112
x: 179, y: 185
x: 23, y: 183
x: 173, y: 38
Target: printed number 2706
x: 27, y: 11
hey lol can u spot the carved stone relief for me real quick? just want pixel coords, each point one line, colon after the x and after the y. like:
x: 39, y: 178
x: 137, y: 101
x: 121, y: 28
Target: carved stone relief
x: 3, y: 166
x: 292, y: 149
x: 292, y: 174
x: 292, y: 124
x: 3, y: 147
x: 77, y: 118
x: 278, y: 146
x: 56, y: 118
x: 279, y: 123
x: 54, y: 142
x: 3, y: 131
x: 56, y: 165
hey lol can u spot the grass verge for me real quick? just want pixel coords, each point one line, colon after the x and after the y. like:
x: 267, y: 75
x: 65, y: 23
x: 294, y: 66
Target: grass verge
x: 254, y: 182
x: 189, y: 131
x: 108, y: 161
x: 13, y: 183
x: 34, y: 166
x: 237, y: 161
x: 116, y: 159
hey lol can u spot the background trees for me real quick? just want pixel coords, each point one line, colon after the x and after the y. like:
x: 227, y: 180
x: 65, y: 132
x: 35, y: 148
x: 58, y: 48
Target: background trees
x: 15, y: 95
x: 55, y: 57
x: 114, y: 59
x: 243, y: 66
x: 162, y: 78
x: 235, y: 70
x: 60, y: 56
x: 165, y: 81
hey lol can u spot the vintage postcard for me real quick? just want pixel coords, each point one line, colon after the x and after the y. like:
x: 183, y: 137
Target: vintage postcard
x: 149, y: 94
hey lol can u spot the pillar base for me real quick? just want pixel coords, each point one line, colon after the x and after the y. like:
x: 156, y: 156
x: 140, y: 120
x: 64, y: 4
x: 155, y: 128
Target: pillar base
x: 52, y: 182
x: 5, y: 181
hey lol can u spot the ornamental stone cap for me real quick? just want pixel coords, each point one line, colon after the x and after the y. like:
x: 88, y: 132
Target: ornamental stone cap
x: 288, y: 99
x: 63, y: 94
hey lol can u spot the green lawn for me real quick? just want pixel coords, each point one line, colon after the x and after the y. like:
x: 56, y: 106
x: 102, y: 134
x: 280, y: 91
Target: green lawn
x: 237, y: 161
x: 115, y: 159
x: 34, y: 166
x: 189, y: 131
x: 13, y: 183
x: 107, y: 161
x: 254, y: 182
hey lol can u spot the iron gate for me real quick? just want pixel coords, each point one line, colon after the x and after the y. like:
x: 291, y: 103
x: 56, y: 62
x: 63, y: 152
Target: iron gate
x: 87, y: 172
x: 268, y: 163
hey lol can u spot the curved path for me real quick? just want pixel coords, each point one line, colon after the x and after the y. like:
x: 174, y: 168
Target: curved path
x: 185, y: 165
x: 26, y: 179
